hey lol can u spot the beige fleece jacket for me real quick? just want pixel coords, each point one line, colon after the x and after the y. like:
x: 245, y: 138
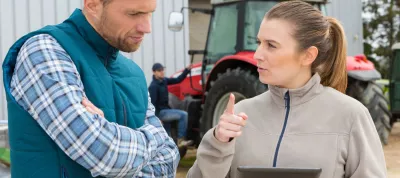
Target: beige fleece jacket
x: 325, y: 129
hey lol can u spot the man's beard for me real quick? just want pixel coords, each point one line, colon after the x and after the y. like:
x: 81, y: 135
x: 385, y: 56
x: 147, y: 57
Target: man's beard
x: 115, y: 41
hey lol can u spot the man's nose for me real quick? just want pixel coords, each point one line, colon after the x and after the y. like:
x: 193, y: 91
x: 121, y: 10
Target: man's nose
x: 145, y: 24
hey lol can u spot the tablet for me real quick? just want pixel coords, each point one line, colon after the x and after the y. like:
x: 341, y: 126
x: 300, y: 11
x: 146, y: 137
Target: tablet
x: 268, y: 172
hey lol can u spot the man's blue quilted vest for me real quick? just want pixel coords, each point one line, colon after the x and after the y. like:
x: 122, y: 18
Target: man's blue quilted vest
x: 112, y: 82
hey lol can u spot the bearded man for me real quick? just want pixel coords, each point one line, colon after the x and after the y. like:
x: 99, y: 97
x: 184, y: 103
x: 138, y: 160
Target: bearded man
x: 77, y: 107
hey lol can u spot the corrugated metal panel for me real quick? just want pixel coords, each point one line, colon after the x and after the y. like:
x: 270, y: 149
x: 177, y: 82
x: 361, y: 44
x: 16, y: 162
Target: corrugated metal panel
x: 349, y: 14
x: 18, y: 17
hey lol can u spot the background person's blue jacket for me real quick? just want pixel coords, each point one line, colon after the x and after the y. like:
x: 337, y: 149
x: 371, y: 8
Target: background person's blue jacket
x: 159, y: 91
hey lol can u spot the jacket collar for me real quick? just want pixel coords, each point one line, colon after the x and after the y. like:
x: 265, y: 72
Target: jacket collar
x: 300, y: 95
x: 90, y: 35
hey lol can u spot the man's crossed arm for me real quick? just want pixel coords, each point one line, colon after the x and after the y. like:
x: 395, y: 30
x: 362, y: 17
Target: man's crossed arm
x: 47, y: 85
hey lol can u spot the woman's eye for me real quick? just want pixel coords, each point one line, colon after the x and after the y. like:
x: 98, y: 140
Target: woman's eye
x: 271, y: 46
x: 258, y: 42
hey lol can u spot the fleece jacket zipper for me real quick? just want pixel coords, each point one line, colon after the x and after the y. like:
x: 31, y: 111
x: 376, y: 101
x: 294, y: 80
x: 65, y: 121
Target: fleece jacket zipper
x: 287, y: 107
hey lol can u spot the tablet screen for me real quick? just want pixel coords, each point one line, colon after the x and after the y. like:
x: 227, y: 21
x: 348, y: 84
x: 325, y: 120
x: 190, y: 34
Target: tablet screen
x: 266, y: 172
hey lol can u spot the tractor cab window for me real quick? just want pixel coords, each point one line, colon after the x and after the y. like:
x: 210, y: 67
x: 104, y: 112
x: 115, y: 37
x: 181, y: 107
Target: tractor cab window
x: 234, y: 27
x: 321, y: 7
x: 223, y: 32
x: 255, y: 12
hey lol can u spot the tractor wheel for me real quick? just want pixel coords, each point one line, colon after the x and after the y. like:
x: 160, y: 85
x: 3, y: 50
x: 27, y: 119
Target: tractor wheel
x: 240, y: 82
x: 371, y: 95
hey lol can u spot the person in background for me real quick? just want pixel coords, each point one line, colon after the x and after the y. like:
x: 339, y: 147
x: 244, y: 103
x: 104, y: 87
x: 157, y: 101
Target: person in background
x: 77, y: 107
x: 159, y: 98
x: 305, y: 119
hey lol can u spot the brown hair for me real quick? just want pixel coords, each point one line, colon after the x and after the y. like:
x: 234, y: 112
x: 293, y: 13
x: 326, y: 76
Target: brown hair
x: 312, y: 28
x: 105, y: 2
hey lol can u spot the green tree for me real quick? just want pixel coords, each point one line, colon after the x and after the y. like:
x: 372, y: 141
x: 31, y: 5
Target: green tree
x: 381, y: 22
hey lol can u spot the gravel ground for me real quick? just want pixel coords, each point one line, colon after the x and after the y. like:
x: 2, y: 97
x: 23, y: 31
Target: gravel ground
x: 392, y: 153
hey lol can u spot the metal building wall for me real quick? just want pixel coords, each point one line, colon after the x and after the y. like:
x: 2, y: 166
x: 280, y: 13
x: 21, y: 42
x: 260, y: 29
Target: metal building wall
x: 348, y: 12
x: 18, y: 17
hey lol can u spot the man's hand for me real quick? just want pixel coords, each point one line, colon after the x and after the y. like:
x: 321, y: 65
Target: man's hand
x: 230, y: 125
x: 189, y: 67
x: 91, y: 107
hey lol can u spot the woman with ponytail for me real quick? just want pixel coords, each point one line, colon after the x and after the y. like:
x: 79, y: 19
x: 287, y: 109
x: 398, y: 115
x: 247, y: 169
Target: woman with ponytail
x: 304, y: 120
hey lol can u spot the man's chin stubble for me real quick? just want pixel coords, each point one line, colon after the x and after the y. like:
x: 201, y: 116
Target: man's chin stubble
x: 128, y: 48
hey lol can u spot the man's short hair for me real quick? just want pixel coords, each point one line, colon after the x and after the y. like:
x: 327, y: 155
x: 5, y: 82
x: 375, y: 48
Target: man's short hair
x: 106, y: 2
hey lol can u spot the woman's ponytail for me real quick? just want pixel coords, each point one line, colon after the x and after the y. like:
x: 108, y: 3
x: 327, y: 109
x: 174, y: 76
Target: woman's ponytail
x: 333, y: 70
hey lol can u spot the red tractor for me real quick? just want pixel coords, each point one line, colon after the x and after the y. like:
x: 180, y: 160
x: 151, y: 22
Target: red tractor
x: 228, y: 67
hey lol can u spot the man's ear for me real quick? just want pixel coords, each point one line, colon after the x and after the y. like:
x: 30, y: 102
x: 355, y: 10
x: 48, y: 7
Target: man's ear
x: 309, y: 56
x: 93, y: 8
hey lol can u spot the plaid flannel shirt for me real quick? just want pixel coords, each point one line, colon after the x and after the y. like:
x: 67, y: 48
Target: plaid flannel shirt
x: 47, y: 84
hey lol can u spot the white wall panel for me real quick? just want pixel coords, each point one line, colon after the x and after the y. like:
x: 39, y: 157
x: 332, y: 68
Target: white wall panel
x: 35, y: 18
x: 21, y: 18
x: 348, y: 12
x: 62, y: 10
x: 7, y: 36
x: 48, y: 12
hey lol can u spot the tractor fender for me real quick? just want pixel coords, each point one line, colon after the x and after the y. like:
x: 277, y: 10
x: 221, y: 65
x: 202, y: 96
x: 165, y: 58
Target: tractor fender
x: 241, y: 59
x: 364, y: 75
x: 246, y: 56
x: 360, y: 68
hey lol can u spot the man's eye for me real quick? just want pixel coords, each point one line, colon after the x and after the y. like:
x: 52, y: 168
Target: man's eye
x: 258, y: 42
